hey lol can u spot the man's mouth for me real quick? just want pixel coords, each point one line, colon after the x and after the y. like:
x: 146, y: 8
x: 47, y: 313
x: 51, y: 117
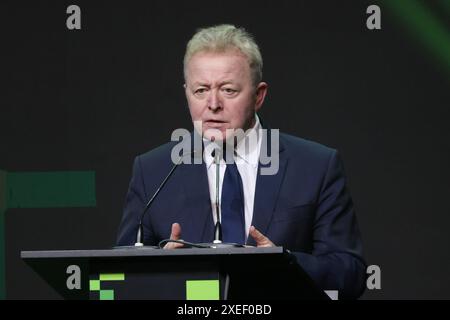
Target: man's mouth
x: 214, y: 123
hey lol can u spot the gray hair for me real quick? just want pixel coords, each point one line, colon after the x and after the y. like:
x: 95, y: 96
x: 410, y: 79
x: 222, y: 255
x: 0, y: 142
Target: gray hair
x: 225, y: 37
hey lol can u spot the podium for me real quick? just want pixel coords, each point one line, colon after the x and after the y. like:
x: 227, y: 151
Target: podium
x: 181, y: 274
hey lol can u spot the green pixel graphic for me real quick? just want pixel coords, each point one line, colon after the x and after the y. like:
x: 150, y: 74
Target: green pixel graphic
x: 202, y: 290
x: 95, y: 285
x: 106, y: 294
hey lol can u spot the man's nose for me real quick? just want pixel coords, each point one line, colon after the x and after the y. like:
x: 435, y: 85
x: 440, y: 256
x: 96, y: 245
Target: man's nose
x: 214, y: 101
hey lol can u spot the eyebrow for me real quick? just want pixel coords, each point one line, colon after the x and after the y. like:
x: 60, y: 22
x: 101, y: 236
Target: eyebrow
x: 204, y: 84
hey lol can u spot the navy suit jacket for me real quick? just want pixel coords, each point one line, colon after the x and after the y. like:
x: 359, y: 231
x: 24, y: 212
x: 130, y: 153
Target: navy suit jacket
x: 306, y: 208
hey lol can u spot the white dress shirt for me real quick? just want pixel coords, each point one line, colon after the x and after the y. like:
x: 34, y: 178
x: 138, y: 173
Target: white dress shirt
x: 246, y: 158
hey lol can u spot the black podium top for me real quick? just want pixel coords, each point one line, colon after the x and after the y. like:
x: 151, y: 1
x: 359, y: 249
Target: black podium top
x: 147, y: 252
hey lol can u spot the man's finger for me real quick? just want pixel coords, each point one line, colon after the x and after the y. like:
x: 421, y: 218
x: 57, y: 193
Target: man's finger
x: 260, y: 239
x: 173, y: 245
x: 175, y: 234
x: 258, y: 236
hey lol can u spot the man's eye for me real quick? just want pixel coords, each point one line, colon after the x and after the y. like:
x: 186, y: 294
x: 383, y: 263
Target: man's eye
x: 200, y: 90
x: 229, y: 90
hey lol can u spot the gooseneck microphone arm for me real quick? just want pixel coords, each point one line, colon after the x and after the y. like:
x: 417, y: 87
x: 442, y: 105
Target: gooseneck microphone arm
x: 218, y: 226
x: 140, y: 232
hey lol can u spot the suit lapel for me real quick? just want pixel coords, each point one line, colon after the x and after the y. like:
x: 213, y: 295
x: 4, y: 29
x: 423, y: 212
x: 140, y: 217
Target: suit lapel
x: 266, y: 193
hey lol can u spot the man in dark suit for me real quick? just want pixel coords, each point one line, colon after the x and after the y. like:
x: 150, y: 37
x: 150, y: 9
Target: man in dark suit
x: 304, y: 205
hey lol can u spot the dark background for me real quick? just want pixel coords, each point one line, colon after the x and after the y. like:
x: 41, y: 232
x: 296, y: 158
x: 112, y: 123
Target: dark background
x: 93, y: 99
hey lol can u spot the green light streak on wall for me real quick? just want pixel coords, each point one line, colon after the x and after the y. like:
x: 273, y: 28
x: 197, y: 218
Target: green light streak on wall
x: 41, y: 190
x: 425, y: 27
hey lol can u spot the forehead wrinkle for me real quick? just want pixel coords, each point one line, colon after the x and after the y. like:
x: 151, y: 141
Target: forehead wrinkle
x: 208, y: 78
x: 217, y: 83
x: 206, y: 70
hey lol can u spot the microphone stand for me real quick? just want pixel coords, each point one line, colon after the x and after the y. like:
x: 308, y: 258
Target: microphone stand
x: 218, y: 226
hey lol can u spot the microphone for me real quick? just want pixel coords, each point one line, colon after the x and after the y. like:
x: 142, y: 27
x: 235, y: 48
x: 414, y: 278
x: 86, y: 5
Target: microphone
x: 140, y: 232
x: 218, y: 226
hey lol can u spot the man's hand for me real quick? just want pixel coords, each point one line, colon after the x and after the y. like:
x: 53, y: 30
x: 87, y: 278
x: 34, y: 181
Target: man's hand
x: 261, y: 240
x: 175, y: 234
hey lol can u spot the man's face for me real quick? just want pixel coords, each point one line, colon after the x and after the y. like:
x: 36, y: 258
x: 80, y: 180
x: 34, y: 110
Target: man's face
x: 220, y: 92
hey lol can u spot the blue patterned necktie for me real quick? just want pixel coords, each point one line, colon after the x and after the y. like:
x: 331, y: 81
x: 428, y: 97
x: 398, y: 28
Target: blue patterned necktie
x: 232, y: 206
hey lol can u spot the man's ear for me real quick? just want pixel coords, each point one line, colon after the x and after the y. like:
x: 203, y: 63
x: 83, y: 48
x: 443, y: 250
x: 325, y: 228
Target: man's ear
x: 261, y: 91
